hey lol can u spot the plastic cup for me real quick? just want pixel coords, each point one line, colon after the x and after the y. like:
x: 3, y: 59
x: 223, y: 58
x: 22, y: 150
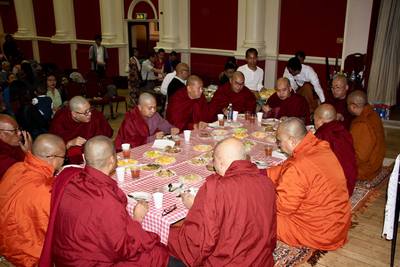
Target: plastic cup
x: 120, y: 174
x: 259, y: 116
x: 221, y: 119
x: 177, y: 140
x: 252, y: 118
x: 235, y: 115
x: 126, y: 152
x: 135, y: 172
x: 247, y: 115
x: 268, y: 150
x: 158, y: 200
x: 186, y: 134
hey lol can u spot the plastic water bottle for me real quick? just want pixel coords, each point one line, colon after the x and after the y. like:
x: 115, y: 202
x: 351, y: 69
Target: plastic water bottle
x: 230, y: 112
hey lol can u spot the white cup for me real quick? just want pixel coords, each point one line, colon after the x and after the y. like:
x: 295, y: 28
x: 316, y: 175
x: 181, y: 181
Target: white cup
x: 158, y: 200
x: 120, y: 174
x: 126, y: 146
x: 259, y: 116
x: 186, y: 134
x: 220, y: 117
x: 235, y: 115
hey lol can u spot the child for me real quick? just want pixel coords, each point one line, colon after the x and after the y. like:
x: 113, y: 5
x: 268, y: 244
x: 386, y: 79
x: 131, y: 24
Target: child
x: 43, y: 103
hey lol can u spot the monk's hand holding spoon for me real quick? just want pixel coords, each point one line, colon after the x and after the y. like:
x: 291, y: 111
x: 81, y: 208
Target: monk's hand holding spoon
x: 174, y: 131
x: 187, y: 199
x: 140, y: 210
x: 26, y: 141
x: 159, y: 135
x: 78, y: 141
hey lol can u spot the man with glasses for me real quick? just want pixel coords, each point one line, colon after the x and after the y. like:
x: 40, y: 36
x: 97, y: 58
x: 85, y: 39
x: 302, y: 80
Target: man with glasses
x: 234, y: 92
x: 77, y: 123
x: 25, y: 200
x: 312, y: 201
x: 13, y: 143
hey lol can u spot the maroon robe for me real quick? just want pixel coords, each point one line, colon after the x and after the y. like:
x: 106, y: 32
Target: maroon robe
x: 64, y: 126
x: 100, y: 232
x: 341, y: 143
x: 242, y: 101
x: 184, y: 112
x: 8, y: 156
x: 341, y: 107
x: 232, y: 221
x: 293, y: 106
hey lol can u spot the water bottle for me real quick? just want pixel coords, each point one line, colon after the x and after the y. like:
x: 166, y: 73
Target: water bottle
x: 230, y: 112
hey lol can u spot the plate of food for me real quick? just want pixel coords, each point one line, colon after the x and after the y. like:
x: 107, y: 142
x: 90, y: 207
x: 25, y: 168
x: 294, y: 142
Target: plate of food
x: 199, y: 161
x: 152, y: 154
x: 240, y: 130
x: 248, y: 145
x: 219, y: 132
x: 259, y: 134
x: 165, y: 173
x: 269, y: 128
x: 126, y: 162
x: 151, y: 167
x: 190, y: 178
x: 172, y: 149
x: 234, y: 124
x: 202, y: 148
x: 140, y: 196
x: 165, y: 160
x: 240, y: 135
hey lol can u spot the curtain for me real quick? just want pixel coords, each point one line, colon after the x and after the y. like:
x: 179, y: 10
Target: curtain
x: 385, y: 68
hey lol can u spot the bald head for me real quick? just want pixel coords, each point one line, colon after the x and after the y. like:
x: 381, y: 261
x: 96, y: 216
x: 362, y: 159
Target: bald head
x: 147, y: 105
x: 100, y: 154
x: 76, y: 103
x: 226, y: 152
x: 293, y: 127
x: 146, y: 98
x: 50, y: 148
x: 194, y: 87
x: 182, y: 67
x: 237, y: 81
x: 193, y: 79
x: 325, y: 112
x: 358, y: 98
x: 9, y: 132
x: 283, y: 81
x: 238, y: 74
x: 7, y: 120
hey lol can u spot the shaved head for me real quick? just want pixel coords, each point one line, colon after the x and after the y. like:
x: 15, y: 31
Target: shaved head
x: 359, y: 98
x: 77, y: 102
x: 146, y: 97
x: 182, y: 67
x: 238, y: 74
x: 9, y: 132
x: 283, y: 81
x: 50, y: 148
x: 147, y: 105
x: 237, y: 81
x: 7, y: 120
x: 194, y: 87
x: 193, y: 79
x: 326, y: 112
x: 98, y: 151
x: 226, y: 152
x: 290, y: 133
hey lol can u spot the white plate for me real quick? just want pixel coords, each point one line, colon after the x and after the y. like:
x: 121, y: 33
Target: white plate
x: 141, y: 196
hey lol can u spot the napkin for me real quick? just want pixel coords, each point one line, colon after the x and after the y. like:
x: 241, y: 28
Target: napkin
x: 163, y: 143
x: 279, y: 155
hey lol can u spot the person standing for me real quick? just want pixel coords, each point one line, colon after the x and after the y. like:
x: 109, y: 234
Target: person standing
x: 98, y: 57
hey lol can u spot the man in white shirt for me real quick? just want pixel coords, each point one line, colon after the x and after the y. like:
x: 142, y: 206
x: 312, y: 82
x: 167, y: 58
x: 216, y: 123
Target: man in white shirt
x: 98, y: 56
x: 167, y: 80
x: 304, y: 80
x: 253, y: 74
x: 149, y: 72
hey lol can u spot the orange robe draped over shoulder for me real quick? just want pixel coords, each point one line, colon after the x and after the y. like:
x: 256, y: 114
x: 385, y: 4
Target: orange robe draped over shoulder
x: 369, y: 143
x: 25, y: 208
x: 313, y: 207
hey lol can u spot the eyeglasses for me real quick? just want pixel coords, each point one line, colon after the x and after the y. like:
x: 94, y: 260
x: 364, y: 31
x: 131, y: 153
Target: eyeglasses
x: 86, y: 113
x: 16, y: 130
x: 56, y: 156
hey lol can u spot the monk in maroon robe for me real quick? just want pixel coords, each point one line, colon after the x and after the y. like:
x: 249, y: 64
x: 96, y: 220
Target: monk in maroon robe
x: 143, y: 124
x: 13, y: 143
x: 234, y: 92
x: 286, y: 103
x: 339, y: 100
x: 232, y: 220
x: 187, y: 108
x: 340, y: 141
x: 89, y: 224
x: 77, y: 123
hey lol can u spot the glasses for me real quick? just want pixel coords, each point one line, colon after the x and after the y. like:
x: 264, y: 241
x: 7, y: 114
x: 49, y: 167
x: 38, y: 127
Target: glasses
x: 86, y: 113
x: 16, y: 130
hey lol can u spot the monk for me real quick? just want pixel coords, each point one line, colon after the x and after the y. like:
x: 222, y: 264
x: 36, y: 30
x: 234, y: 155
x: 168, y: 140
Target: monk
x: 232, y: 219
x: 339, y: 139
x: 179, y: 81
x: 143, y: 124
x: 25, y: 201
x: 187, y: 108
x: 340, y: 90
x: 100, y: 232
x: 234, y: 92
x: 13, y: 143
x: 76, y: 123
x: 368, y: 136
x: 286, y: 103
x: 313, y: 207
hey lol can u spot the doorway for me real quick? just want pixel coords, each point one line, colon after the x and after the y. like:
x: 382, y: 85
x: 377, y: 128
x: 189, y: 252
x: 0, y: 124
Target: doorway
x: 142, y: 36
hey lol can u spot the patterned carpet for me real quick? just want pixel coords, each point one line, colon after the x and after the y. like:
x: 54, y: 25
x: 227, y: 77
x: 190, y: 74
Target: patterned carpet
x: 288, y: 256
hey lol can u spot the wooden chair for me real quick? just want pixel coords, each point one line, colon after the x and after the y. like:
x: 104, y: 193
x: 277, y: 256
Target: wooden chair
x: 112, y: 93
x: 96, y: 94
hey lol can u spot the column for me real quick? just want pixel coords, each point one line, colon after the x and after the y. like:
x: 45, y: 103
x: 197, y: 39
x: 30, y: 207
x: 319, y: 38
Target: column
x: 25, y: 19
x: 112, y: 26
x: 65, y: 21
x: 169, y: 24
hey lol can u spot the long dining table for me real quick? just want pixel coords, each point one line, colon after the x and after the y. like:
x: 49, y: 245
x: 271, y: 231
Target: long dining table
x: 252, y: 133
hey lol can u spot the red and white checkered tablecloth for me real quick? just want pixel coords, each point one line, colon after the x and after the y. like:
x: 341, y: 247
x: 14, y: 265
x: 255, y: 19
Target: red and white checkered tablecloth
x: 154, y: 221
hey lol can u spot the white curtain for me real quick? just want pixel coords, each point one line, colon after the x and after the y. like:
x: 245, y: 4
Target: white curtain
x: 385, y: 68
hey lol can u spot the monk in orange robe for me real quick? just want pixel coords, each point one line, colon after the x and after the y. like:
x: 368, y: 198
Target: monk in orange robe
x: 232, y: 220
x: 13, y: 143
x: 187, y: 107
x: 77, y: 123
x: 286, y: 103
x: 340, y: 140
x: 25, y: 201
x: 143, y: 124
x: 234, y: 92
x: 313, y: 207
x: 368, y: 136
